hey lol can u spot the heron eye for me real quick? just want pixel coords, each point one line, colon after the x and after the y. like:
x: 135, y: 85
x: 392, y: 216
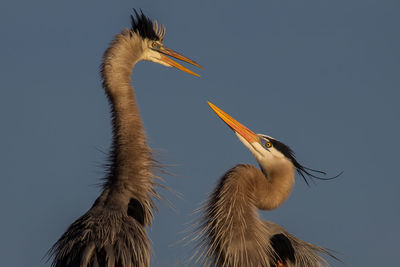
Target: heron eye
x: 268, y: 144
x: 154, y: 44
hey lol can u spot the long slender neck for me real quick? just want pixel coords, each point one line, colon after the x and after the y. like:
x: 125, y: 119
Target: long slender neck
x: 131, y: 162
x: 245, y: 188
x: 273, y: 185
x: 231, y: 220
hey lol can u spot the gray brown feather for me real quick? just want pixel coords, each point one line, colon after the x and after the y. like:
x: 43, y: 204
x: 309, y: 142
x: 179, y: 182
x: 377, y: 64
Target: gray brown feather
x: 113, y: 231
x: 230, y: 232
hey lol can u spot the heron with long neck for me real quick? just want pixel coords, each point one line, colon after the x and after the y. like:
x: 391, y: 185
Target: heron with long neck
x: 230, y: 232
x: 113, y: 231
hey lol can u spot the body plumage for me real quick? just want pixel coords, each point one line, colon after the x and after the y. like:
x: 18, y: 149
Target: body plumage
x: 230, y: 232
x: 113, y: 231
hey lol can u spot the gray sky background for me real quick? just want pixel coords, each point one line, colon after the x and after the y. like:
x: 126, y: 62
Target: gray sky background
x: 321, y: 76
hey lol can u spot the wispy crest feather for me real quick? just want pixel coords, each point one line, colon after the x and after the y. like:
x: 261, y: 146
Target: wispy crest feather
x: 303, y: 171
x: 146, y: 28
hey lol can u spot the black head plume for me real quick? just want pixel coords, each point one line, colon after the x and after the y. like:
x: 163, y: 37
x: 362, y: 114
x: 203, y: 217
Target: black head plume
x: 146, y: 28
x: 302, y: 170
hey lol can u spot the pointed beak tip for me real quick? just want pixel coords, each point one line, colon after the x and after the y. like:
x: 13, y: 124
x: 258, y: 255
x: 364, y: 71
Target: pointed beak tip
x: 169, y: 52
x: 213, y: 107
x: 236, y: 126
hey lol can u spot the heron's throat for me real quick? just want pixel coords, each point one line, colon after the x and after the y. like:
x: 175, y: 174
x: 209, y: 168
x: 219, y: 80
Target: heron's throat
x: 118, y: 61
x: 273, y: 185
x: 231, y: 213
x: 130, y: 155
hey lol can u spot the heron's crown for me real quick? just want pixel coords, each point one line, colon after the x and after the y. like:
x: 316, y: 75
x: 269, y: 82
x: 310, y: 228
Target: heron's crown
x: 281, y: 147
x: 146, y: 28
x: 289, y: 154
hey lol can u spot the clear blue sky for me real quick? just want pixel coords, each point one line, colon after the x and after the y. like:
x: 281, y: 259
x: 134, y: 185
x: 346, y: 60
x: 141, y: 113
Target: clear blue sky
x: 321, y: 76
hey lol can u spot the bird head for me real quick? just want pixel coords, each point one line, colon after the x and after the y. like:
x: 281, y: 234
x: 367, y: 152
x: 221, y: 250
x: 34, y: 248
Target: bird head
x: 152, y: 36
x: 270, y: 153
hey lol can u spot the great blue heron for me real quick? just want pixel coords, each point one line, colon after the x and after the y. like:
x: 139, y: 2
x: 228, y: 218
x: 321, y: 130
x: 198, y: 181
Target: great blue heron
x: 231, y: 232
x: 112, y: 232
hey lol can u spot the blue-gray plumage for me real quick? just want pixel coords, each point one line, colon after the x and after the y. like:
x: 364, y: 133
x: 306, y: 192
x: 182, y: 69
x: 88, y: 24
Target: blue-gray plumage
x: 230, y: 232
x: 113, y: 231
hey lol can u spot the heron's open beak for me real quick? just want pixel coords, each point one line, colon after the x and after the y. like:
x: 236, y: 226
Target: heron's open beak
x: 235, y: 125
x: 169, y: 52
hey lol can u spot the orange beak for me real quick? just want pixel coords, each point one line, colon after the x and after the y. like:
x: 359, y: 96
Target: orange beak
x: 236, y: 126
x: 169, y: 52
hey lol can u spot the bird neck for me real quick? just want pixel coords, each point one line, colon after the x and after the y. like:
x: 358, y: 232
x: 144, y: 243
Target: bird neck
x: 273, y: 185
x: 245, y: 188
x: 231, y: 225
x: 131, y: 162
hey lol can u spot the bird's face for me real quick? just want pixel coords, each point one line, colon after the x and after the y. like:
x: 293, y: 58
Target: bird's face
x: 271, y: 154
x: 265, y: 149
x: 152, y: 35
x: 156, y: 52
